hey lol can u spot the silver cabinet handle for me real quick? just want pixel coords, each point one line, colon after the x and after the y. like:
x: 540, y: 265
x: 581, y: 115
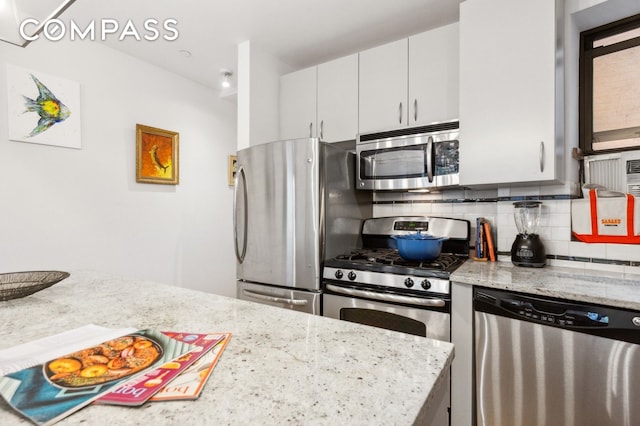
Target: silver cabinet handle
x: 430, y: 158
x: 269, y: 298
x: 322, y: 130
x: 384, y: 297
x: 311, y: 129
x: 415, y: 110
x: 541, y: 156
x: 400, y: 112
x: 240, y: 256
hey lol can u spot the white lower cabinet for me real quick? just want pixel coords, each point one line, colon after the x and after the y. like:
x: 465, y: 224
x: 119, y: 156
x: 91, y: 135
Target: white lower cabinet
x: 436, y: 412
x: 462, y: 370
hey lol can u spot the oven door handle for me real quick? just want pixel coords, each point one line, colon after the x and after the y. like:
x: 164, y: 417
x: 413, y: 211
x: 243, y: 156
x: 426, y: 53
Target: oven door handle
x: 269, y: 298
x: 383, y: 297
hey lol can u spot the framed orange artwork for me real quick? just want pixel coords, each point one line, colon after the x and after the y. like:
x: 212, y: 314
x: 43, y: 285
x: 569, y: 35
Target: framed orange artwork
x: 156, y: 155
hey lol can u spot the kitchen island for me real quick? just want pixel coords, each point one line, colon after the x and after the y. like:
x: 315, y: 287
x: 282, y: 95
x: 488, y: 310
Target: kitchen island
x: 279, y: 367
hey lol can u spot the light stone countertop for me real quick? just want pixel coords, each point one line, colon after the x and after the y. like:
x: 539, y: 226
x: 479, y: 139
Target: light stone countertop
x: 607, y: 288
x: 280, y: 366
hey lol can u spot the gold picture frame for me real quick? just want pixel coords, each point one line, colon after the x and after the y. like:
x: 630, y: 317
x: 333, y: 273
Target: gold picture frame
x: 157, y: 155
x: 232, y: 170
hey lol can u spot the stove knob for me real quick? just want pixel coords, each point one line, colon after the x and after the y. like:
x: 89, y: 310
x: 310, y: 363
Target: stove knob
x: 425, y: 284
x: 339, y: 274
x: 351, y: 275
x: 408, y: 282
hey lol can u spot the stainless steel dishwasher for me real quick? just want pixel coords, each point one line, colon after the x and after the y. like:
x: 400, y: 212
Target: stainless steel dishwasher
x: 545, y: 361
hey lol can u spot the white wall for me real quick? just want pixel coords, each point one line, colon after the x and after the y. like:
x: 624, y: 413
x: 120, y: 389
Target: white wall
x: 258, y: 94
x: 72, y: 209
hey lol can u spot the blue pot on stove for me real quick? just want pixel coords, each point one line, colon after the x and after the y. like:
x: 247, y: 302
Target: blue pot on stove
x: 419, y: 247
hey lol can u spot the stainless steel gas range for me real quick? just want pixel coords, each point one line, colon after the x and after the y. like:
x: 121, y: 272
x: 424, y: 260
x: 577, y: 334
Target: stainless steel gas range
x: 375, y: 286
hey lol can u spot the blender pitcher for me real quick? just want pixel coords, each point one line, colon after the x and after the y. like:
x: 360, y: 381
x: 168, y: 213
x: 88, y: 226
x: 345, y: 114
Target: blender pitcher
x: 527, y: 249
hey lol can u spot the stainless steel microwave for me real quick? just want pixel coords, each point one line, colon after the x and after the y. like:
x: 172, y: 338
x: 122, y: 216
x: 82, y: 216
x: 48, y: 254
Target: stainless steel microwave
x: 412, y: 158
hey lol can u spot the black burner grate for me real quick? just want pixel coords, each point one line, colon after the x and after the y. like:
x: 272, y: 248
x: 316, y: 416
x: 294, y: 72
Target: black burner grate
x: 380, y: 257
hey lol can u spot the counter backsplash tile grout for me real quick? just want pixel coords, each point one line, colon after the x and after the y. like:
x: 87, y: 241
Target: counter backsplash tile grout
x: 497, y: 207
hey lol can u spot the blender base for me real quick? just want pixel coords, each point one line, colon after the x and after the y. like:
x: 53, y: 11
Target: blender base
x: 528, y: 251
x: 529, y: 265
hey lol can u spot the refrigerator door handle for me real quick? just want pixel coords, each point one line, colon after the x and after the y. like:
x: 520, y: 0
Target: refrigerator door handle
x: 268, y: 298
x: 240, y: 256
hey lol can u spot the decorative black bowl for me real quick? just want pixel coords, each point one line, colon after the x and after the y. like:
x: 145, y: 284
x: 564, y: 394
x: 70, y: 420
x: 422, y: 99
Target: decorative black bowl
x: 15, y: 285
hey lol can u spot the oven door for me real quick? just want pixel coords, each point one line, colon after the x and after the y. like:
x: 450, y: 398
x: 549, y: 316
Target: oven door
x: 427, y: 317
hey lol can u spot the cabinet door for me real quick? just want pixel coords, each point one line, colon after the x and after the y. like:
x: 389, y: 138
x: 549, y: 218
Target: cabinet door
x: 433, y: 75
x: 462, y: 390
x: 298, y: 104
x: 338, y: 99
x: 510, y: 92
x: 383, y: 87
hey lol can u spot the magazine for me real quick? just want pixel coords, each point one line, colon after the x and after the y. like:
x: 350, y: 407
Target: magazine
x: 41, y: 350
x: 189, y: 384
x: 137, y: 391
x: 47, y: 392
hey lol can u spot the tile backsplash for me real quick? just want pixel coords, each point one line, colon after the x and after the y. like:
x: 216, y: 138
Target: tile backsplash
x: 497, y: 207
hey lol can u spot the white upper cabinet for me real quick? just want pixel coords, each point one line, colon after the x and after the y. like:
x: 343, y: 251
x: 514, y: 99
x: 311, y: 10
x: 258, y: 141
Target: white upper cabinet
x: 383, y: 81
x: 410, y: 82
x: 407, y: 82
x: 298, y: 103
x: 433, y: 75
x: 338, y: 99
x: 511, y: 92
x: 321, y: 101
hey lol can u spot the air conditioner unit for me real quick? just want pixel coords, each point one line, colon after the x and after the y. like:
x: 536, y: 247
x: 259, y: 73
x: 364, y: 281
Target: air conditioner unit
x: 616, y: 172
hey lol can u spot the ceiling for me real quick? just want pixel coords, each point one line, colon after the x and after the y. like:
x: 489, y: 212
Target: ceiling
x: 300, y: 33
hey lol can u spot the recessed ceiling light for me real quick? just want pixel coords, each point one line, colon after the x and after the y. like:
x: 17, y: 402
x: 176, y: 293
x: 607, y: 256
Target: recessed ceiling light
x: 185, y: 53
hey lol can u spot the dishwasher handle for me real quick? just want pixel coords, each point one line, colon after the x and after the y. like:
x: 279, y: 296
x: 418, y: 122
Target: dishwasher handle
x: 614, y: 323
x: 541, y: 312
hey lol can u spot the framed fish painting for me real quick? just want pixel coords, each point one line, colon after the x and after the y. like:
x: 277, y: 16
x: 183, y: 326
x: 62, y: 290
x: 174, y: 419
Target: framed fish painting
x: 43, y: 109
x: 156, y: 155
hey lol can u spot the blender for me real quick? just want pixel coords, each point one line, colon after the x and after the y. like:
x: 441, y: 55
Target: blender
x: 527, y: 249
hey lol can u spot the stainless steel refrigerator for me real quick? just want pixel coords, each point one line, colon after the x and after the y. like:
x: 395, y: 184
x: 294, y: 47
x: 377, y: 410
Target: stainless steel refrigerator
x: 295, y: 204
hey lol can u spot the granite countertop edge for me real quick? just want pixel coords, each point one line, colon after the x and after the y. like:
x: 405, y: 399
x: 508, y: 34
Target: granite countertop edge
x: 621, y: 290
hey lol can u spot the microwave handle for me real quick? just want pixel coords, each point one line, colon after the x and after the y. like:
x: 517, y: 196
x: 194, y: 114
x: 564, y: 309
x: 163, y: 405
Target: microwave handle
x: 430, y: 159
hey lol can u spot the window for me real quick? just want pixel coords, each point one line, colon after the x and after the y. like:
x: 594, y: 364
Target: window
x: 610, y: 87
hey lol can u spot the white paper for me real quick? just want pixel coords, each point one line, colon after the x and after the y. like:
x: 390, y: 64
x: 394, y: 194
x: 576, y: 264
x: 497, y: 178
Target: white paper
x: 42, y: 350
